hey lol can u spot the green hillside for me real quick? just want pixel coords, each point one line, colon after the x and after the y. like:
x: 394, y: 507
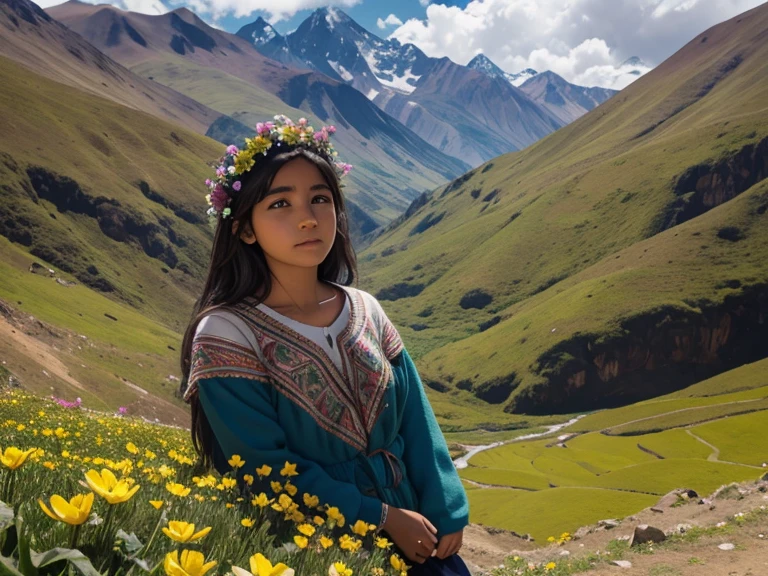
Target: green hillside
x: 620, y: 258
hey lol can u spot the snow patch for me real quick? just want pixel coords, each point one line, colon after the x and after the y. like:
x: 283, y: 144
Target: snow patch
x: 341, y: 71
x: 372, y: 94
x: 401, y: 82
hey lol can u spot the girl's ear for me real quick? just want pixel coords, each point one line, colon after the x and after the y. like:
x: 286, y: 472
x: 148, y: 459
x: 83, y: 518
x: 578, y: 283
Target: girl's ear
x: 246, y: 235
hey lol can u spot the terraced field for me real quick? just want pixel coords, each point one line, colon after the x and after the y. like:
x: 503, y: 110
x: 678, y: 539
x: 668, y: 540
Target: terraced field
x: 616, y: 462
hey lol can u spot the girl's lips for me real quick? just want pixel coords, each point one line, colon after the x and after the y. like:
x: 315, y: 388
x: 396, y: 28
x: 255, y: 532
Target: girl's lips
x: 310, y: 242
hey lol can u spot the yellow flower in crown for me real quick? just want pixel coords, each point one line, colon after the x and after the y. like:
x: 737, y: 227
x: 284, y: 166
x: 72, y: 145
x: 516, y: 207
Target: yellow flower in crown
x: 191, y: 563
x: 108, y: 487
x: 260, y: 566
x: 184, y: 532
x: 74, y: 512
x: 13, y: 457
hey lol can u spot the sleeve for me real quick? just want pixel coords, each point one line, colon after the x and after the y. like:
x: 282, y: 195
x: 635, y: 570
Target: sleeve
x: 442, y: 498
x: 245, y: 422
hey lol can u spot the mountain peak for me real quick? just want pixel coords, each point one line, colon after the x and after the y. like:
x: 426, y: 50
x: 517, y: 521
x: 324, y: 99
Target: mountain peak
x: 330, y: 17
x: 258, y: 32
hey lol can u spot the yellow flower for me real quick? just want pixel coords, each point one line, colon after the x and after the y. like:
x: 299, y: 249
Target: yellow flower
x: 306, y: 529
x: 383, y: 543
x: 276, y: 487
x: 131, y: 447
x: 184, y: 531
x: 177, y: 489
x: 290, y: 488
x: 264, y: 471
x: 248, y: 479
x: 228, y: 483
x: 346, y: 542
x: 191, y: 564
x: 260, y: 566
x: 247, y: 522
x: 398, y: 564
x: 326, y: 542
x: 333, y: 514
x: 262, y: 501
x: 339, y: 569
x: 50, y: 465
x: 74, y: 512
x: 156, y: 503
x: 319, y: 520
x: 13, y: 457
x: 108, y: 487
x: 236, y: 462
x: 311, y: 501
x: 360, y: 528
x: 550, y: 566
x: 47, y: 432
x: 244, y: 161
x: 301, y: 541
x: 289, y: 470
x: 229, y: 505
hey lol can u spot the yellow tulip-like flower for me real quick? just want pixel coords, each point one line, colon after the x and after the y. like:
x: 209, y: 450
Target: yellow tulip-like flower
x: 311, y: 501
x: 184, y: 531
x: 13, y: 457
x: 74, y: 512
x: 550, y: 566
x: 236, y: 462
x: 306, y: 529
x: 262, y: 501
x: 360, y: 528
x: 228, y: 483
x: 339, y: 569
x: 264, y: 471
x: 157, y: 504
x: 248, y: 479
x: 398, y: 564
x: 192, y: 563
x: 333, y: 514
x: 290, y: 488
x: 108, y: 487
x: 383, y: 543
x: 289, y: 470
x: 177, y: 489
x: 131, y: 447
x: 326, y: 542
x: 346, y: 542
x: 260, y: 566
x: 319, y: 520
x: 300, y: 541
x: 247, y: 522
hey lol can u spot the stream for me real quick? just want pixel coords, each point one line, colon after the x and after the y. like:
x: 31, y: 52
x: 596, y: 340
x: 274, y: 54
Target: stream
x: 461, y: 462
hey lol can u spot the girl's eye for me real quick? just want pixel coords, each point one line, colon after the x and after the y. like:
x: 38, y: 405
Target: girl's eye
x: 278, y: 204
x: 322, y: 198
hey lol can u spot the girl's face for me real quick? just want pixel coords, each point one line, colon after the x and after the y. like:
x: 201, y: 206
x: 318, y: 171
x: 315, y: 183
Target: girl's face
x: 295, y: 223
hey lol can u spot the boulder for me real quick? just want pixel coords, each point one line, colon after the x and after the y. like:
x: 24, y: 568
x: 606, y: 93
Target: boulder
x: 726, y: 546
x: 675, y: 497
x: 609, y: 523
x: 622, y: 563
x: 645, y: 533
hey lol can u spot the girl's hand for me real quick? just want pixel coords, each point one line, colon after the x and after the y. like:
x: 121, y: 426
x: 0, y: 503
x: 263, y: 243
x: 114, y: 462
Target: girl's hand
x: 450, y: 544
x: 412, y: 532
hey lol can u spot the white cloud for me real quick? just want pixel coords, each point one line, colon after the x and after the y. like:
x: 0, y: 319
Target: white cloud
x: 152, y: 7
x: 425, y: 3
x: 585, y: 41
x: 391, y: 20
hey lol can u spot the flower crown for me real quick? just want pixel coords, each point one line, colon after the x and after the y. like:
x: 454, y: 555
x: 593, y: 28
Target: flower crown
x: 227, y: 182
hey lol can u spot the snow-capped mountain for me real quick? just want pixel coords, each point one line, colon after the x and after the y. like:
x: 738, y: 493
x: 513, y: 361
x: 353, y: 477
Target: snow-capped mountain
x: 484, y: 64
x: 270, y: 43
x: 565, y: 100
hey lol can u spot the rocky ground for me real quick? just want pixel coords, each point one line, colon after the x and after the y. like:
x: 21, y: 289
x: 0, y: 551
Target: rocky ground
x: 723, y: 534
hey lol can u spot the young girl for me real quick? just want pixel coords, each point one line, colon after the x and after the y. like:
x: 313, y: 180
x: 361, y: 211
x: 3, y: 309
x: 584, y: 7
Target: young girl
x: 285, y: 361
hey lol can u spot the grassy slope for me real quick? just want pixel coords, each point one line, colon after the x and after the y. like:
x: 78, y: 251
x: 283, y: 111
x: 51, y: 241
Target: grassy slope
x: 587, y: 197
x: 106, y: 149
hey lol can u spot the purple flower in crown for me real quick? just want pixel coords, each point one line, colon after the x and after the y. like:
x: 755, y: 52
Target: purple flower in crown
x: 232, y: 150
x: 331, y: 129
x: 236, y: 185
x: 221, y: 171
x: 219, y: 198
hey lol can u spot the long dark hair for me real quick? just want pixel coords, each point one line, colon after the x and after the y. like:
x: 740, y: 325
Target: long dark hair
x: 237, y: 270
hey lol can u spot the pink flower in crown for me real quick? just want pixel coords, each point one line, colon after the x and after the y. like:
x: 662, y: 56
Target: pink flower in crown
x: 208, y: 182
x: 221, y: 171
x: 232, y: 149
x: 261, y: 128
x: 321, y: 136
x: 331, y: 129
x: 219, y: 198
x: 237, y: 185
x: 344, y: 167
x: 302, y: 121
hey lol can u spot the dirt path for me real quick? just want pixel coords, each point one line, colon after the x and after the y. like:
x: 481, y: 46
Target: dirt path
x: 37, y: 351
x: 715, y: 455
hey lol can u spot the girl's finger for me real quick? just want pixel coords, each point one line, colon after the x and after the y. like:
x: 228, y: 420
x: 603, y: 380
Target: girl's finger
x: 430, y: 526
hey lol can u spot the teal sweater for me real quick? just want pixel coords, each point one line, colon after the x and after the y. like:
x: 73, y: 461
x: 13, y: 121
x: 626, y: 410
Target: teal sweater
x: 253, y: 420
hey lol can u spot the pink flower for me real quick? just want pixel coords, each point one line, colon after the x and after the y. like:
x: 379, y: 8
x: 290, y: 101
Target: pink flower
x: 237, y: 185
x: 232, y: 149
x: 219, y: 198
x: 208, y: 182
x: 122, y: 410
x: 331, y: 129
x: 221, y: 171
x: 302, y: 121
x: 321, y: 136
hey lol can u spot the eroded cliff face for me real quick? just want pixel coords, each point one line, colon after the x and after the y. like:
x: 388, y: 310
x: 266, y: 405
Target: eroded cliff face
x: 655, y: 354
x: 705, y: 186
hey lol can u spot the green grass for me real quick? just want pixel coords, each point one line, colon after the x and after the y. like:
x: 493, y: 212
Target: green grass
x: 674, y: 444
x: 739, y: 438
x: 551, y: 512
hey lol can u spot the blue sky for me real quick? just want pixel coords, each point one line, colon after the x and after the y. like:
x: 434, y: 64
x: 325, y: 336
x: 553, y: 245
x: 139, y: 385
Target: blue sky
x: 365, y: 14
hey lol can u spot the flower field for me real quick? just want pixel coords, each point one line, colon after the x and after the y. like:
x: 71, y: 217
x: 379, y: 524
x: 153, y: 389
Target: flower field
x: 92, y: 493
